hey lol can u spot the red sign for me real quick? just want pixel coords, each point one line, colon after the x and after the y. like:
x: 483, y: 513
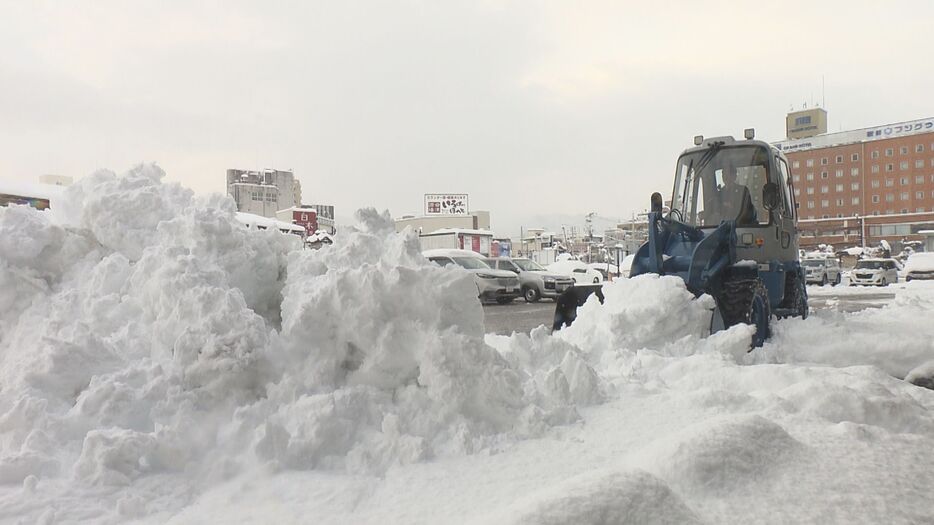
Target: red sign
x: 307, y: 219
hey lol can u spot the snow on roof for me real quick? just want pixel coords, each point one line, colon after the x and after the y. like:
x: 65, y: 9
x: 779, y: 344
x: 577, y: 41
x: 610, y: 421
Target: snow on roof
x: 451, y: 252
x: 320, y: 236
x: 249, y: 219
x: 31, y: 189
x: 445, y: 231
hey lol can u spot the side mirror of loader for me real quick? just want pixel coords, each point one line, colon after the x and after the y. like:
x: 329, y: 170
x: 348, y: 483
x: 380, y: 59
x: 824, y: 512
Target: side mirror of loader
x: 657, y: 202
x: 770, y: 196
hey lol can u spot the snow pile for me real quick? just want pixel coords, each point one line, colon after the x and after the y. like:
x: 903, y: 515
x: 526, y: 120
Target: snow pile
x: 160, y: 361
x: 895, y: 338
x: 383, y: 362
x: 672, y: 320
x: 147, y: 335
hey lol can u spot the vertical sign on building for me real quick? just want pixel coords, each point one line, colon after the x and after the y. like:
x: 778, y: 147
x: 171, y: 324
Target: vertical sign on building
x: 446, y: 204
x: 307, y: 219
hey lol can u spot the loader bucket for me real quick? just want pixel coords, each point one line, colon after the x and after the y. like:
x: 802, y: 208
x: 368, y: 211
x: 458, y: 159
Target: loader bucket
x: 567, y: 303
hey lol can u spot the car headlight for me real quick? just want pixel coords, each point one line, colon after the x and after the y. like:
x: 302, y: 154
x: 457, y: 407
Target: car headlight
x: 486, y: 276
x: 549, y: 279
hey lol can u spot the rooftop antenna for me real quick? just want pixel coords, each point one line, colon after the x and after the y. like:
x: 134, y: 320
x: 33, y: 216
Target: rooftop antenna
x: 823, y: 102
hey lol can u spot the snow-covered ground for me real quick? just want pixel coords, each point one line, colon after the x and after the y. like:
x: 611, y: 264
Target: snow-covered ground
x: 161, y: 363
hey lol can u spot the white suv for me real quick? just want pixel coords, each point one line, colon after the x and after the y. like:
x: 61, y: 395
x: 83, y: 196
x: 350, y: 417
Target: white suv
x: 822, y: 271
x: 874, y: 272
x: 492, y: 285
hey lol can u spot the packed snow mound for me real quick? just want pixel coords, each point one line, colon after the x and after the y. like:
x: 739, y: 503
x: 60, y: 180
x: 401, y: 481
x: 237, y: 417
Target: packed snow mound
x: 146, y: 334
x: 922, y: 375
x: 723, y: 455
x: 619, y: 497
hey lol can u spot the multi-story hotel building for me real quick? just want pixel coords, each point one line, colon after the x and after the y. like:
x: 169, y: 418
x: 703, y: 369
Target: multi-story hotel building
x: 862, y: 186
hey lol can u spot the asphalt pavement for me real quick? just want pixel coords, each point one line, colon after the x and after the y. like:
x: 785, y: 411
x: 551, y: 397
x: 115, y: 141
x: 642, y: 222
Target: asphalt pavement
x: 520, y: 316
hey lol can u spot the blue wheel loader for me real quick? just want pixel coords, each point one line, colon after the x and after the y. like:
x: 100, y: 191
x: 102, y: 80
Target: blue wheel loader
x: 730, y: 231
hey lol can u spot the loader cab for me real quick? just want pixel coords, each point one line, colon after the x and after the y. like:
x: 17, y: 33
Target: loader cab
x: 724, y: 179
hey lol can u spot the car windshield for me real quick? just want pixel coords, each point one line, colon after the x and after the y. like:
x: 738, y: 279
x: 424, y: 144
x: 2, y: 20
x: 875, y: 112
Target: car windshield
x: 471, y: 263
x: 813, y: 264
x: 528, y: 265
x: 720, y: 184
x: 503, y: 265
x: 869, y: 265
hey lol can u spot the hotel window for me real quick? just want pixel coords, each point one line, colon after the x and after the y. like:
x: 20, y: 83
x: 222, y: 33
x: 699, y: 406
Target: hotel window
x: 839, y: 187
x: 903, y: 150
x: 874, y: 154
x: 855, y: 200
x: 825, y: 189
x: 839, y: 173
x: 854, y: 171
x: 904, y: 211
x: 875, y: 168
x: 797, y: 192
x: 823, y: 161
x: 810, y: 191
x: 796, y: 178
x: 889, y: 183
x: 854, y: 157
x: 919, y: 148
x: 875, y: 199
x: 839, y: 202
x: 825, y: 204
x: 823, y: 174
x: 890, y: 197
x: 919, y: 163
x: 919, y: 195
x: 810, y: 176
x: 875, y: 184
x: 889, y: 167
x: 810, y: 204
x: 919, y: 210
x: 810, y: 163
x: 889, y: 152
x: 825, y: 216
x: 903, y: 165
x: 839, y: 159
x: 796, y: 164
x: 854, y: 186
x: 919, y: 179
x: 875, y: 212
x: 904, y: 196
x: 903, y: 181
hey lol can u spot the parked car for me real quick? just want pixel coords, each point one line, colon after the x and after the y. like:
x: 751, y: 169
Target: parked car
x: 920, y: 265
x: 607, y: 270
x: 492, y: 285
x: 874, y: 272
x: 581, y: 273
x: 535, y: 281
x: 822, y: 271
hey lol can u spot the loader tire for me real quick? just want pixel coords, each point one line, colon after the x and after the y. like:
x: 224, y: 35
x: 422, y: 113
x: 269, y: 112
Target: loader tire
x: 747, y: 301
x: 796, y: 297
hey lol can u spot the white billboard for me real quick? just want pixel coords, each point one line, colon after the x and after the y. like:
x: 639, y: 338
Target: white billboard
x: 901, y: 129
x: 446, y: 204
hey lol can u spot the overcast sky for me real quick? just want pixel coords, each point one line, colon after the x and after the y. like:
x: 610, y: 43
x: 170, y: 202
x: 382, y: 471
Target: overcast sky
x: 541, y: 111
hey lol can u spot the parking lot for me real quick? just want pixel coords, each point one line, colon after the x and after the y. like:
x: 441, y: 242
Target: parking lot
x: 523, y: 317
